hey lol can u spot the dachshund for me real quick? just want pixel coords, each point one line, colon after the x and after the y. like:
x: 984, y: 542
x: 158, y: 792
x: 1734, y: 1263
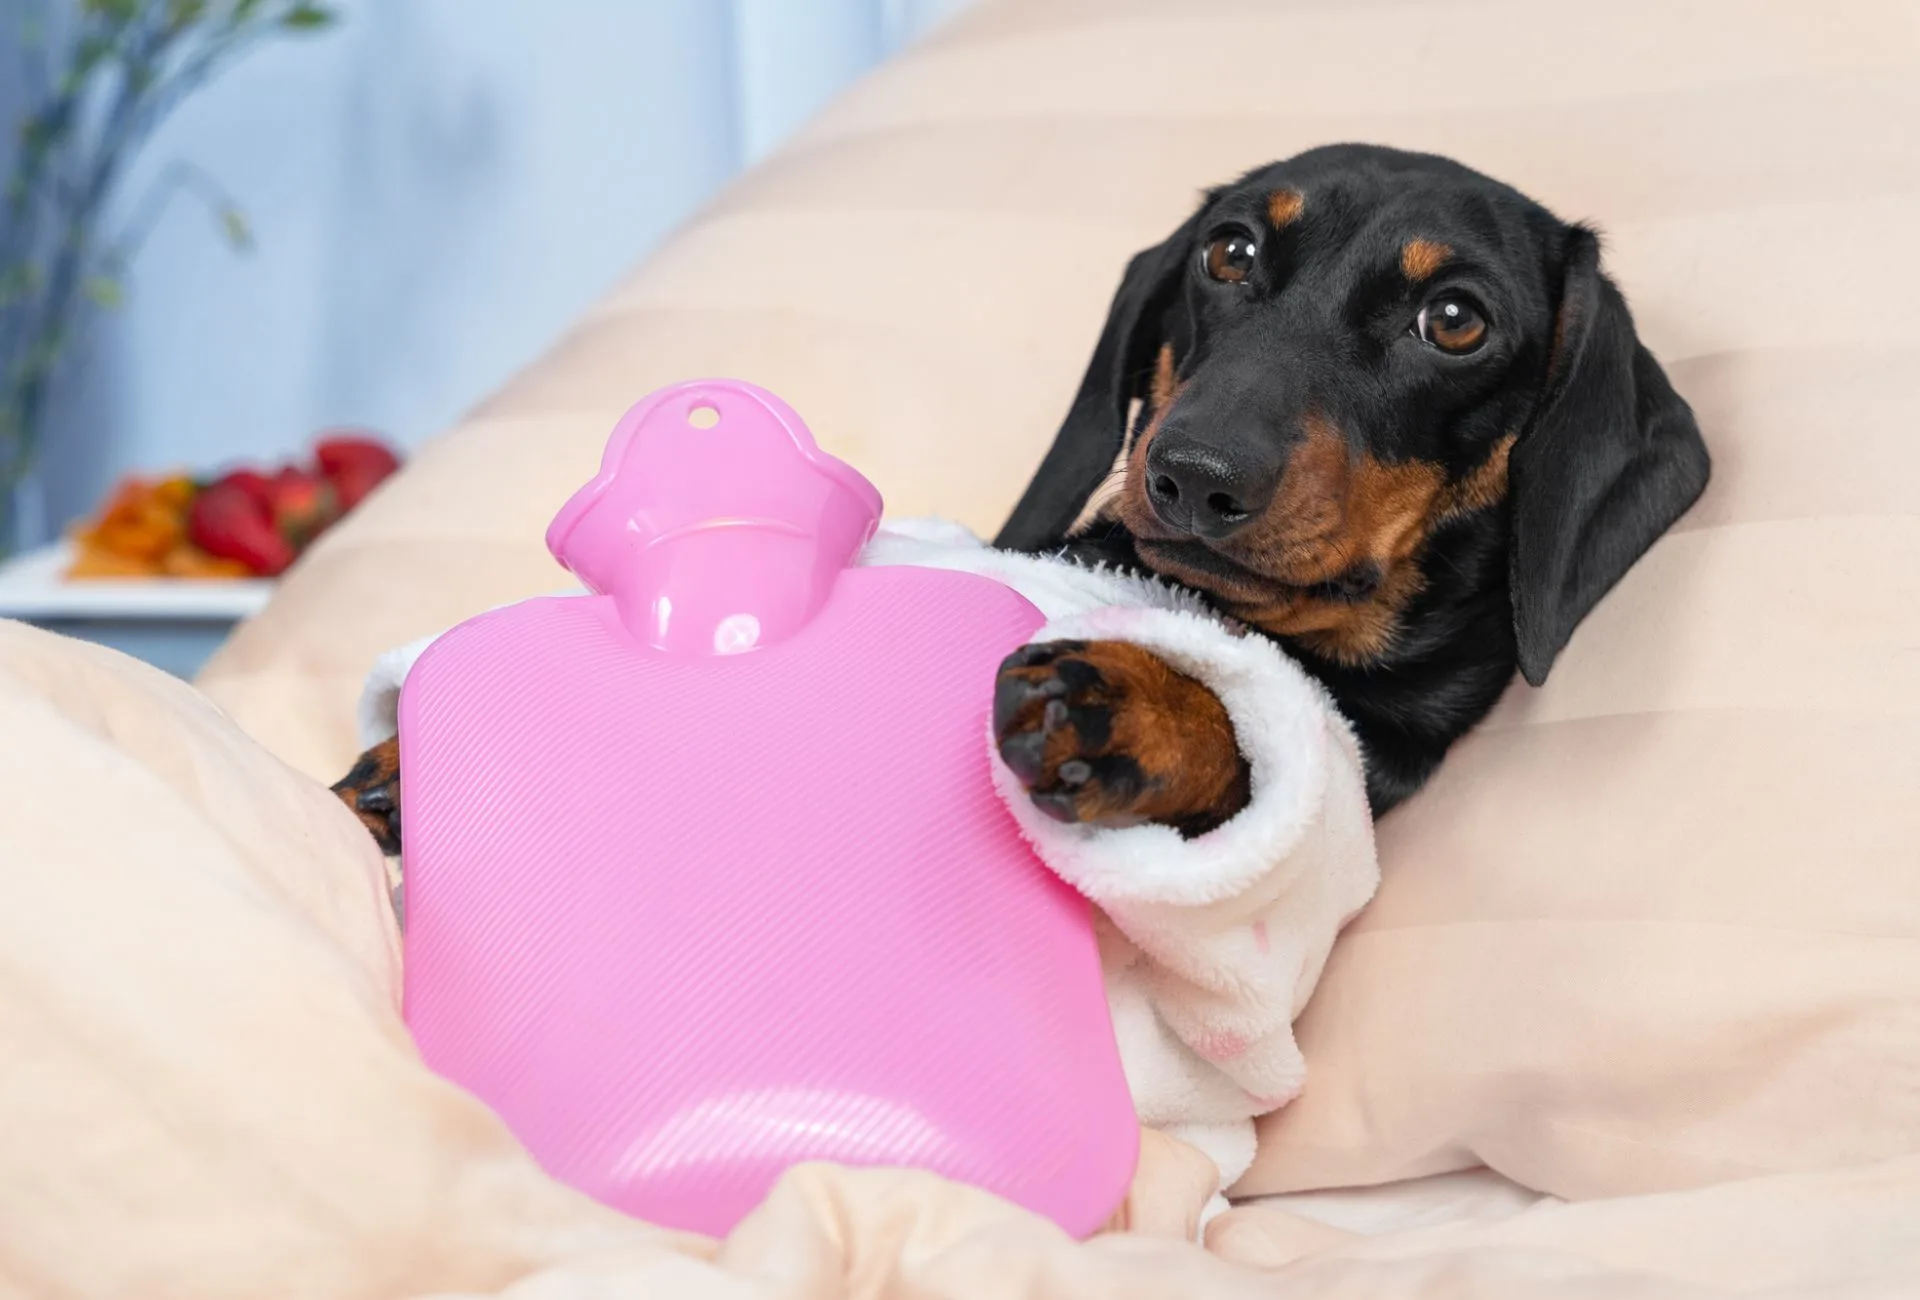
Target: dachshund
x: 1372, y: 404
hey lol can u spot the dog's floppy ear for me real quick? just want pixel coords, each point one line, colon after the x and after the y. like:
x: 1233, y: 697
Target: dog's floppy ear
x: 1611, y: 460
x: 1083, y: 451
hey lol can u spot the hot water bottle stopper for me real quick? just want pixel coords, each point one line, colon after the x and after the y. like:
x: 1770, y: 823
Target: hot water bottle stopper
x: 705, y: 871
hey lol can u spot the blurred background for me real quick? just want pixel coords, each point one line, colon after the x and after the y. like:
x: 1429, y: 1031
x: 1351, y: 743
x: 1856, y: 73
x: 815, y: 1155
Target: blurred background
x: 378, y: 209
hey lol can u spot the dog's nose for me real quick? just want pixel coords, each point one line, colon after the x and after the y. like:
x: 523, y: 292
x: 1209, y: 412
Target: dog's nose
x: 1201, y: 491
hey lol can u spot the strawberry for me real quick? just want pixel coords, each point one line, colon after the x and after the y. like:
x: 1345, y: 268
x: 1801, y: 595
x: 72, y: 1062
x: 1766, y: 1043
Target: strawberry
x: 229, y: 521
x: 354, y: 465
x: 302, y: 505
x: 256, y: 485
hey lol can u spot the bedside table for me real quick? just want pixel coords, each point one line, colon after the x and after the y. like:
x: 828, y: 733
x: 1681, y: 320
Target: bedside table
x: 172, y: 623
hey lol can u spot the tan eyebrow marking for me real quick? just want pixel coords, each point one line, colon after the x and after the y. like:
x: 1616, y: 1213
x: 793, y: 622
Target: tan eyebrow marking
x: 1422, y: 257
x: 1283, y: 206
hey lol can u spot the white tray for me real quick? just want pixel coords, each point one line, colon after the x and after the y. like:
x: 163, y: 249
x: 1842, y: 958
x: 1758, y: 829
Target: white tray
x: 32, y: 586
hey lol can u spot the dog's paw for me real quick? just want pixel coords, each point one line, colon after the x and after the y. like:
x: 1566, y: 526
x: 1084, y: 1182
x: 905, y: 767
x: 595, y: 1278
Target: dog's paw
x: 1109, y: 734
x: 372, y: 791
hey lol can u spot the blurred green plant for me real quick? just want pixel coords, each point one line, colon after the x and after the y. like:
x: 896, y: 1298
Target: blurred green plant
x: 99, y: 76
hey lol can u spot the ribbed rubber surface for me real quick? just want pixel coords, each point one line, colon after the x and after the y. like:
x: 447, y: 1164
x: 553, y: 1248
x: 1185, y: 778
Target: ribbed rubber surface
x: 684, y: 922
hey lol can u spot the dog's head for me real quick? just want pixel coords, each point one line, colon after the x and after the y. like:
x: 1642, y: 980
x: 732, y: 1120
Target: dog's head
x: 1342, y: 354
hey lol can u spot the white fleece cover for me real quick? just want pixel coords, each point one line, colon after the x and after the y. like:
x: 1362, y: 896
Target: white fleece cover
x: 1210, y: 946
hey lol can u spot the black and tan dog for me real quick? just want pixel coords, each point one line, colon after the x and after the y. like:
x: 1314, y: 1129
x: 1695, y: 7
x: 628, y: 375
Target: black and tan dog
x: 1391, y: 414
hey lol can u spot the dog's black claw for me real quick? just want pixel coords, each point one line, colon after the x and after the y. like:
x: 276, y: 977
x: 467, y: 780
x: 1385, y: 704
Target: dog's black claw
x: 377, y: 799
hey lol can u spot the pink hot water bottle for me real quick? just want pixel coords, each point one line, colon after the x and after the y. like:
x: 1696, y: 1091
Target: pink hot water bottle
x: 705, y: 872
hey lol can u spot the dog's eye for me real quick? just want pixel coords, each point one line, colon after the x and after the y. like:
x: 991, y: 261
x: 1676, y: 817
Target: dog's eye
x: 1230, y: 256
x: 1452, y: 323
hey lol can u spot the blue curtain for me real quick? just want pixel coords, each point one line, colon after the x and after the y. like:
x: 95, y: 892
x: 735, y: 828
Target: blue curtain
x: 436, y: 188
